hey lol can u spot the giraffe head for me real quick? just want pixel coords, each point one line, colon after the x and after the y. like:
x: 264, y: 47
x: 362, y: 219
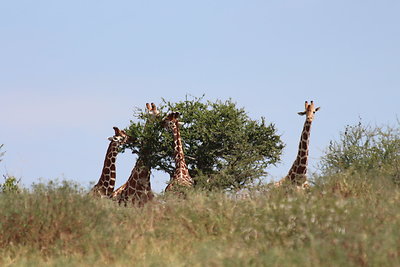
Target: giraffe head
x: 310, y: 110
x: 172, y: 120
x: 119, y: 137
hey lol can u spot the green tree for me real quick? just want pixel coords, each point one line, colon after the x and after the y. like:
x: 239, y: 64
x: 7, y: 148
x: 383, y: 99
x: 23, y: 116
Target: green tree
x: 224, y: 148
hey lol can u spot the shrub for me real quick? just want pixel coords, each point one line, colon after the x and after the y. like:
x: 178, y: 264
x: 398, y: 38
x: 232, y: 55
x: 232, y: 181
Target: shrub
x: 363, y: 148
x: 10, y: 185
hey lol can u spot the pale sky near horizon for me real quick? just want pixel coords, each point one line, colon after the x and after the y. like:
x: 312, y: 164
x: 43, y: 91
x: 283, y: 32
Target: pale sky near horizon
x: 71, y: 70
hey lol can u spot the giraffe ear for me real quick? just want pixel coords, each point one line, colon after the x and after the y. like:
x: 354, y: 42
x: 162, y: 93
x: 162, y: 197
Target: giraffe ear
x: 302, y: 113
x: 181, y: 123
x: 318, y: 108
x: 110, y: 138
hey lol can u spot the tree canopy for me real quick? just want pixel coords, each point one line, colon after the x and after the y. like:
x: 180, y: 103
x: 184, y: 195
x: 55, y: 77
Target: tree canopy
x: 224, y: 147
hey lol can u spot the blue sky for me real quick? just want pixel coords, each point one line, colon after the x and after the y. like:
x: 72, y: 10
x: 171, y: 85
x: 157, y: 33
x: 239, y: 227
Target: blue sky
x: 71, y: 70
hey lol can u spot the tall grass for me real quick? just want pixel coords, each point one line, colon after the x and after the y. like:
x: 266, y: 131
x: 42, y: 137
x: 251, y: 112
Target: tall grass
x: 350, y: 217
x: 337, y: 223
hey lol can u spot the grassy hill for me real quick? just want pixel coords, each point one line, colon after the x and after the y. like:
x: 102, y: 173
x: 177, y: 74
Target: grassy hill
x: 344, y: 220
x: 349, y: 217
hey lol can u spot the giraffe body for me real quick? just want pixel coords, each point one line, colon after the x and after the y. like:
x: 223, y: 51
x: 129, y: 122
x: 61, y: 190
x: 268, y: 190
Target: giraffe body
x: 298, y: 172
x: 181, y: 175
x: 138, y: 187
x: 106, y: 183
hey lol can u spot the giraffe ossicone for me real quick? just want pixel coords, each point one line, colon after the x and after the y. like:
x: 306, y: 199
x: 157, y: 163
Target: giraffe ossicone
x: 298, y: 172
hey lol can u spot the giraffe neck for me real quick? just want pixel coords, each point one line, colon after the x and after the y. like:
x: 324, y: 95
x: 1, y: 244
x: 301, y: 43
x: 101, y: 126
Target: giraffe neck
x: 297, y: 173
x: 178, y: 149
x: 106, y: 183
x: 181, y: 175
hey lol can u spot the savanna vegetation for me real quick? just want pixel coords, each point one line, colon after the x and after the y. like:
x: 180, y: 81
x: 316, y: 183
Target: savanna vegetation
x: 349, y: 217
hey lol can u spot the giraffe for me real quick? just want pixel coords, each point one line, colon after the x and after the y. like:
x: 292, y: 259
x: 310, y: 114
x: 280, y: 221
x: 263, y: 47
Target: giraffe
x: 181, y: 175
x: 298, y: 171
x: 105, y: 185
x: 138, y: 186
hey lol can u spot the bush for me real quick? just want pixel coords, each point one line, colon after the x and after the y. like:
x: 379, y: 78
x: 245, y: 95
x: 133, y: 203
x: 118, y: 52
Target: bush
x: 10, y: 185
x: 364, y: 149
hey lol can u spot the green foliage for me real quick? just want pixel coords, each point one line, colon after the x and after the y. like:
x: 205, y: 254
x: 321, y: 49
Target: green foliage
x: 57, y: 224
x: 10, y: 185
x: 364, y: 149
x: 220, y: 140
